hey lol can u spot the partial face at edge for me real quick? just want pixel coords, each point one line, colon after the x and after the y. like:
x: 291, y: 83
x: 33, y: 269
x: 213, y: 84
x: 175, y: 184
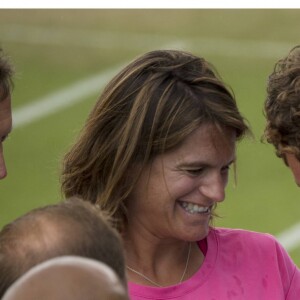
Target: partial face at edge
x: 5, y: 129
x: 294, y: 165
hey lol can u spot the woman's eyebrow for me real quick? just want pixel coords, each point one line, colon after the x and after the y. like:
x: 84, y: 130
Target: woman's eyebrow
x: 201, y: 163
x: 193, y: 164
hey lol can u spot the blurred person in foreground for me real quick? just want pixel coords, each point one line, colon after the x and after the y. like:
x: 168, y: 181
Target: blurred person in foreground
x: 68, y: 278
x: 6, y: 73
x: 155, y: 154
x: 282, y: 110
x: 73, y: 227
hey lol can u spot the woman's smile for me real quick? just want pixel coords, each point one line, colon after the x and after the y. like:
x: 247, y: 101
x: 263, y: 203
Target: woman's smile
x: 193, y: 208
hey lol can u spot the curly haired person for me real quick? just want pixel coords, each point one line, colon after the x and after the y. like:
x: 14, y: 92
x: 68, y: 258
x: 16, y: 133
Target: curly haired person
x: 282, y: 110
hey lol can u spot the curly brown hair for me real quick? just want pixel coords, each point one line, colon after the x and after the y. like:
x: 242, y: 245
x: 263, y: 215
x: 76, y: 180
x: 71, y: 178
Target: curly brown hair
x: 282, y: 106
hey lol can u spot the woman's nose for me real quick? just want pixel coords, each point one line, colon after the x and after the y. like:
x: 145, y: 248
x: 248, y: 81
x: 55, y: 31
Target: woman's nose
x: 214, y: 188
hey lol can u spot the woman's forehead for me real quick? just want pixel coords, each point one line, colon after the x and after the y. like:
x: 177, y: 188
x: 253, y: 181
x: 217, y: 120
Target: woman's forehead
x: 204, y: 143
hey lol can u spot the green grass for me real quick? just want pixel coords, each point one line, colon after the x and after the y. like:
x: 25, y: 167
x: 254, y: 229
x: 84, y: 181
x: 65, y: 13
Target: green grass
x: 265, y: 198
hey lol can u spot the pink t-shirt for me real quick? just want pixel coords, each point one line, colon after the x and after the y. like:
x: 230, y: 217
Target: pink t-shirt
x: 239, y: 265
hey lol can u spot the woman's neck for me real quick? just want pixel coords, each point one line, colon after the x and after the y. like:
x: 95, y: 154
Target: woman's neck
x: 164, y: 262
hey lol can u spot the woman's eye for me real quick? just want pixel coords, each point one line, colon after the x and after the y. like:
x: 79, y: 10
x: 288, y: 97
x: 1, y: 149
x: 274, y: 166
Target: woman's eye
x: 195, y: 171
x: 225, y: 169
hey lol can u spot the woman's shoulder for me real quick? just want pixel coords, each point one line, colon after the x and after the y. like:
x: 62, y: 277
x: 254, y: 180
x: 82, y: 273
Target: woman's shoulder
x: 254, y: 251
x: 242, y: 234
x: 245, y: 243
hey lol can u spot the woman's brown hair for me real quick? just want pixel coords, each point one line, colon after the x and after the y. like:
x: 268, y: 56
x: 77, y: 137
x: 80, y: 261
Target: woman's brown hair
x: 150, y: 107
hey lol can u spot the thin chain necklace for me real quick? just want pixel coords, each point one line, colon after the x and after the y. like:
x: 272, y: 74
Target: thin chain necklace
x: 156, y: 284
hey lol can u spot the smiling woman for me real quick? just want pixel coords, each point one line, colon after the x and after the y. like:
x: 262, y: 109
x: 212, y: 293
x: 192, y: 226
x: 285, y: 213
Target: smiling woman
x: 155, y: 154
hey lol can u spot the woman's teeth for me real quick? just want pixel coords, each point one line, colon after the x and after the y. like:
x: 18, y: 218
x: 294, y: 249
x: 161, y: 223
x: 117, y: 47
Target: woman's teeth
x: 194, y: 208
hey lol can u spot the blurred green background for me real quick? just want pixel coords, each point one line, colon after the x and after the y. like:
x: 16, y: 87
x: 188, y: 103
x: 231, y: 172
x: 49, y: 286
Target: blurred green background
x: 54, y: 50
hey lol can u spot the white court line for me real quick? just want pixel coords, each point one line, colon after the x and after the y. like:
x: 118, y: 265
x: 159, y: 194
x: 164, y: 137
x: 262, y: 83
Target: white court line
x: 67, y: 37
x: 142, y: 4
x: 135, y: 41
x: 290, y: 238
x: 61, y: 99
x: 66, y: 97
